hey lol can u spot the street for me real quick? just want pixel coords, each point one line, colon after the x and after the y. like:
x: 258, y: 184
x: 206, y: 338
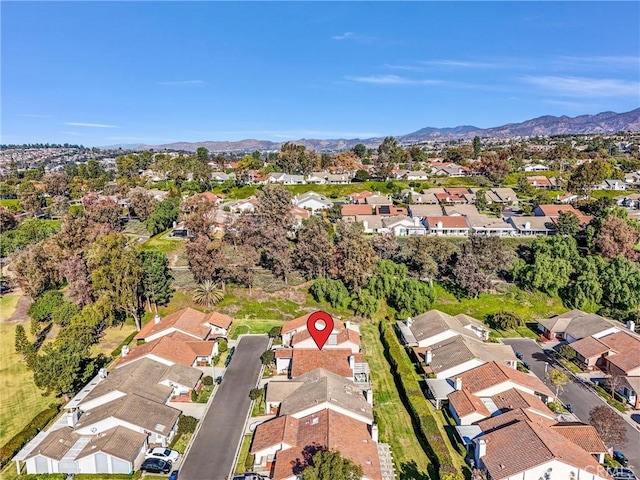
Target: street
x: 213, y: 450
x: 582, y: 398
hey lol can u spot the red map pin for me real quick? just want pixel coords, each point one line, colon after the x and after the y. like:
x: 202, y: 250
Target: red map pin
x: 320, y: 335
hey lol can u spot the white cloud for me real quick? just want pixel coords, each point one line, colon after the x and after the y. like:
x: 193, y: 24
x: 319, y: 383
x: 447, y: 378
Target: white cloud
x: 394, y: 80
x: 585, y: 87
x: 90, y: 125
x: 598, y: 62
x: 182, y: 83
x: 458, y: 63
x: 344, y: 36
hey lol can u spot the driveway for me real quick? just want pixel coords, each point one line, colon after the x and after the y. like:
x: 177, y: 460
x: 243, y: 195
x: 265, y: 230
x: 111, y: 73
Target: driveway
x: 575, y: 393
x: 213, y: 450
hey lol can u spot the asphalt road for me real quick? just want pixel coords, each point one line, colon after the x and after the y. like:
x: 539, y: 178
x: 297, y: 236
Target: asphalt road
x: 213, y: 450
x: 582, y: 398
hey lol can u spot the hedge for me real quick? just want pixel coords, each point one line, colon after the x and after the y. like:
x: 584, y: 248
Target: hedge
x: 43, y: 476
x: 126, y: 341
x: 107, y: 476
x: 409, y: 388
x: 20, y: 439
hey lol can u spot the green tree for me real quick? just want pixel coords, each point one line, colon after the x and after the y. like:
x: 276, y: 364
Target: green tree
x: 588, y: 175
x: 327, y: 290
x: 43, y: 306
x: 314, y: 248
x: 330, y: 465
x: 558, y: 379
x: 256, y: 394
x: 22, y: 342
x: 411, y: 297
x: 364, y: 303
x: 361, y: 176
x: 34, y: 270
x: 504, y: 320
x: 116, y: 274
x: 268, y: 357
x: 426, y: 256
x: 163, y: 216
x: 481, y: 199
x: 568, y: 224
x: 156, y: 277
x: 586, y: 291
x: 360, y: 150
x: 30, y: 198
x: 202, y: 155
x: 294, y: 158
x: 354, y: 257
x: 620, y: 281
x: 617, y: 236
x: 567, y: 352
x: 477, y: 147
x: 208, y: 294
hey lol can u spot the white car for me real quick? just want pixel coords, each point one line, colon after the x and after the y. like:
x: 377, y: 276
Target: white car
x: 162, y: 453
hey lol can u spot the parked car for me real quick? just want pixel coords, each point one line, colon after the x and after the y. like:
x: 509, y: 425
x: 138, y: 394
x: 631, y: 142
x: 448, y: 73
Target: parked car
x: 569, y: 408
x: 526, y: 365
x: 174, y: 475
x: 232, y: 350
x: 162, y: 453
x: 621, y: 473
x: 620, y: 458
x: 549, y: 352
x: 219, y: 379
x: 250, y: 476
x: 518, y: 355
x: 156, y: 465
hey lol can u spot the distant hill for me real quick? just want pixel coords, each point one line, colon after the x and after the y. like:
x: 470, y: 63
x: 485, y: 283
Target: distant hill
x: 601, y: 123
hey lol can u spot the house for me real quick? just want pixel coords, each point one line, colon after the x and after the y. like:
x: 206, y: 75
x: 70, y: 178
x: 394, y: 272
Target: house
x: 286, y: 179
x: 312, y: 201
x: 222, y: 177
x: 416, y: 175
x: 317, y: 178
x: 371, y: 223
x: 319, y: 390
x: 359, y: 197
x: 450, y: 198
x: 441, y: 225
x: 389, y: 210
x: 434, y: 327
x: 629, y: 201
x: 533, y: 225
x: 118, y: 450
x: 191, y: 322
x: 502, y: 195
x: 527, y: 450
x: 402, y: 226
x: 447, y: 170
x: 632, y: 178
x: 180, y: 230
x: 610, y: 184
x: 459, y: 354
x: 378, y: 199
x: 339, y: 178
x: 281, y: 446
x: 297, y: 361
x: 540, y: 181
x: 569, y: 198
x: 554, y: 210
x: 300, y: 214
x: 425, y: 210
x: 483, y: 225
x: 351, y: 211
x: 575, y: 325
x: 535, y: 167
x: 295, y: 334
x: 461, y: 210
x: 242, y: 206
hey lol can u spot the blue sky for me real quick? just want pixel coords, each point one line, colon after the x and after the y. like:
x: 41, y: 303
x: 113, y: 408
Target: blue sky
x: 104, y: 73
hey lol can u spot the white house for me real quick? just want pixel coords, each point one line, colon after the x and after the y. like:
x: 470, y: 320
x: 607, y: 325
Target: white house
x: 435, y: 327
x: 312, y: 201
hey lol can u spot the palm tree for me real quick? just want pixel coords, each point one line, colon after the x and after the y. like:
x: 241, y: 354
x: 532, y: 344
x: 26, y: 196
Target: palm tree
x: 208, y: 294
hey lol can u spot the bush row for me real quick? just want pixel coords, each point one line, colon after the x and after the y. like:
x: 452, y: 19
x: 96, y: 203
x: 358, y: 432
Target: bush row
x: 126, y: 341
x: 107, y: 476
x: 19, y: 440
x: 416, y: 403
x: 43, y: 476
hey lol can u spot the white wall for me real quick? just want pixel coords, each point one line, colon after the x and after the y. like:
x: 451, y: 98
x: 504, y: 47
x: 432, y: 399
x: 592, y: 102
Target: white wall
x: 559, y: 471
x: 458, y: 369
x: 502, y: 387
x: 470, y: 419
x: 308, y: 343
x: 427, y: 342
x: 606, y: 332
x: 322, y: 406
x: 96, y: 402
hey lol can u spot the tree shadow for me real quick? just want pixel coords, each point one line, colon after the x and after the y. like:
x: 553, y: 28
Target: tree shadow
x: 42, y: 336
x: 410, y: 471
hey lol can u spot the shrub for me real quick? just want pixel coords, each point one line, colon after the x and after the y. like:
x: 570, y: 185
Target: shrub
x: 268, y: 357
x: 14, y: 444
x: 103, y: 476
x: 208, y: 380
x: 255, y: 393
x: 275, y: 332
x: 216, y: 359
x: 223, y: 345
x: 63, y: 313
x: 126, y: 341
x: 364, y: 304
x: 567, y: 352
x: 194, y: 396
x: 187, y: 424
x: 504, y: 320
x: 331, y: 291
x: 44, y: 305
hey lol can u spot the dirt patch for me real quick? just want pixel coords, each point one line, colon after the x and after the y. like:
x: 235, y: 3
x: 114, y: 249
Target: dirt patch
x: 20, y: 314
x: 296, y: 294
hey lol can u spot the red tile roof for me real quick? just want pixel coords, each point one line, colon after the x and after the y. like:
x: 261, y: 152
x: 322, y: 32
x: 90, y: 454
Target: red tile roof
x: 356, y: 209
x: 300, y: 212
x: 360, y: 195
x: 301, y: 323
x: 461, y: 191
x: 585, y: 436
x: 219, y: 320
x: 447, y: 222
x: 345, y: 335
x: 504, y: 456
x: 186, y: 320
x: 464, y: 403
x: 627, y: 347
x: 492, y: 373
x: 513, y: 399
x: 589, y: 347
x: 334, y: 360
x: 175, y: 347
x: 326, y: 429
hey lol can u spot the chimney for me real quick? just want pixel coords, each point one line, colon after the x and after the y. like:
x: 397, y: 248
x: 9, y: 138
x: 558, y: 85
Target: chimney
x: 374, y: 433
x: 369, y: 395
x: 352, y: 361
x: 156, y: 319
x: 416, y: 221
x: 102, y: 373
x: 631, y: 325
x: 527, y: 226
x: 458, y: 384
x: 124, y: 351
x: 347, y: 324
x: 72, y: 419
x: 482, y: 448
x: 175, y: 224
x: 409, y: 322
x: 428, y: 357
x: 439, y: 225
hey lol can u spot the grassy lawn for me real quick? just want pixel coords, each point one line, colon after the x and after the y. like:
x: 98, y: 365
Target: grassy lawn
x: 183, y: 441
x: 393, y: 420
x: 597, y: 194
x: 242, y: 326
x: 8, y: 305
x: 244, y: 457
x: 20, y: 399
x: 111, y: 338
x: 136, y: 227
x: 10, y: 203
x: 165, y: 244
x: 528, y: 305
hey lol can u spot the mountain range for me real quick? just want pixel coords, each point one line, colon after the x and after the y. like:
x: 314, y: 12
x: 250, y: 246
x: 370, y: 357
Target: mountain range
x: 601, y: 123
